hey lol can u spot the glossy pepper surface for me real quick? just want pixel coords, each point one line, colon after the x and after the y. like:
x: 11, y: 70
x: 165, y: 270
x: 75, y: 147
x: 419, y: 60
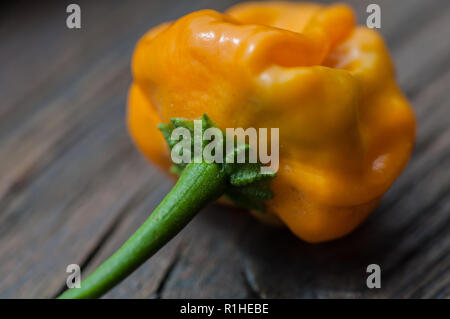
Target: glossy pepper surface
x: 346, y: 130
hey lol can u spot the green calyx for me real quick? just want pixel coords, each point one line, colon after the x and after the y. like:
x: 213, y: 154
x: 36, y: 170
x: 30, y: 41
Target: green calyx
x: 247, y: 186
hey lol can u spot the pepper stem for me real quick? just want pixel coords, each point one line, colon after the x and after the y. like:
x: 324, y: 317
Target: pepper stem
x: 199, y: 184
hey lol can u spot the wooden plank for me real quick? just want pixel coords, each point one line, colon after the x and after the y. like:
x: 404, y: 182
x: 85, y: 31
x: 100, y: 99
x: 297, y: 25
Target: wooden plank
x: 73, y: 188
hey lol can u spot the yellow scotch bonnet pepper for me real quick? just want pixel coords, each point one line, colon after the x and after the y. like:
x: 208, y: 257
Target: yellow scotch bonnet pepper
x: 345, y: 129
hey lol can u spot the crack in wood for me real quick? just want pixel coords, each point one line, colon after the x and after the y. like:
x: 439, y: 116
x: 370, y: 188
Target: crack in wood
x: 424, y: 242
x: 422, y: 289
x: 94, y: 251
x: 134, y: 201
x: 249, y: 282
x: 167, y: 275
x: 444, y: 292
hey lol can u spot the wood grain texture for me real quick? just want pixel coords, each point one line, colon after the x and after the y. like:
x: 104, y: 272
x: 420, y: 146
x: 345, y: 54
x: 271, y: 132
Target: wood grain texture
x: 73, y: 187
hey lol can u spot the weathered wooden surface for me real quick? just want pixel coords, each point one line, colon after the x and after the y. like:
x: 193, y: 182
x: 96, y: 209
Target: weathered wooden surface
x: 73, y: 188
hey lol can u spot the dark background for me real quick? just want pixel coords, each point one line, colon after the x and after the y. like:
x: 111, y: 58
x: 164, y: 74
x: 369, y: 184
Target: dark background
x: 73, y: 187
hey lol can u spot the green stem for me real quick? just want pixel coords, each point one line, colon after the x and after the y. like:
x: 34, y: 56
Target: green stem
x: 198, y: 184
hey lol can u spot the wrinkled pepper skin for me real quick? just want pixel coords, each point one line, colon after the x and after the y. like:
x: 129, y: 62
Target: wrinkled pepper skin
x: 346, y: 130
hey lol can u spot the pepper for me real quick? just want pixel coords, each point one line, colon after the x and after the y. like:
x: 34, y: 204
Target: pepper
x: 346, y: 131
